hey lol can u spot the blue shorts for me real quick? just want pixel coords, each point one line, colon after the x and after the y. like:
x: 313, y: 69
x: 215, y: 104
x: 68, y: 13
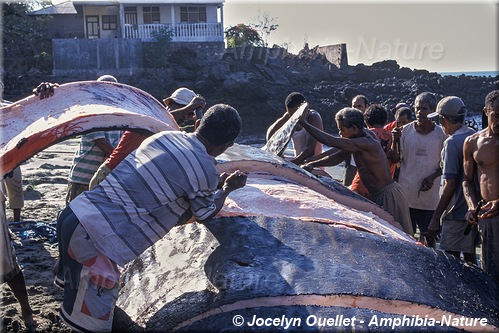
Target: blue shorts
x: 90, y: 279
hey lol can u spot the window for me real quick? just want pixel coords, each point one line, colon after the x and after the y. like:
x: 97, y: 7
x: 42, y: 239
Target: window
x: 151, y: 15
x: 192, y: 14
x: 130, y: 15
x: 109, y: 22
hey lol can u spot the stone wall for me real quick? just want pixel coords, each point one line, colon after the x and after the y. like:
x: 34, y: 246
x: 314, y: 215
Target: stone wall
x: 205, y: 50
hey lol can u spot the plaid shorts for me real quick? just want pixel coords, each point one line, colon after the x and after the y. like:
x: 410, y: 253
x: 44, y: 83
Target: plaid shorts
x: 90, y: 279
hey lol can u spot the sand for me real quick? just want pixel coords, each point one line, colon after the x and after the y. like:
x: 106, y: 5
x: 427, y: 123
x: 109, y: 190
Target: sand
x: 45, y: 184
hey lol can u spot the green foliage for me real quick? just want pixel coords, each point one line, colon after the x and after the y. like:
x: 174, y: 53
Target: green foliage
x: 25, y: 45
x: 156, y: 56
x: 242, y: 35
x: 162, y: 35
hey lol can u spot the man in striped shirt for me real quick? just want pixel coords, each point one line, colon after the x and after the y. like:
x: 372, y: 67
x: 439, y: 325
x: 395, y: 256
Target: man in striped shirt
x: 168, y: 180
x: 93, y: 150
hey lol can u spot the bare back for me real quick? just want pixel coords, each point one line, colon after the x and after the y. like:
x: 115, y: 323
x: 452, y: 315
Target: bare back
x: 372, y: 164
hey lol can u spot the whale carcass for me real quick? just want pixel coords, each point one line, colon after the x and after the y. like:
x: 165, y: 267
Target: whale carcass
x: 31, y: 125
x: 288, y: 251
x: 284, y: 250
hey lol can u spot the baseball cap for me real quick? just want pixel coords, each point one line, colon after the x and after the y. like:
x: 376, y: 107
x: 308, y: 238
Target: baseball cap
x: 451, y: 106
x: 181, y: 96
x: 107, y: 78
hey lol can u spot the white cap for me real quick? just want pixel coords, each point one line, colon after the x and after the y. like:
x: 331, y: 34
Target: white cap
x: 107, y: 78
x: 182, y: 96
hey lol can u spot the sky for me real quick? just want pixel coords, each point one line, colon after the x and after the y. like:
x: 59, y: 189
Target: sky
x: 444, y: 37
x: 448, y: 36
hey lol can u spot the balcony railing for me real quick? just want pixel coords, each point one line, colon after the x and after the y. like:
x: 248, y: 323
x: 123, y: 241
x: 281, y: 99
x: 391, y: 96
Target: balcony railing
x: 182, y: 32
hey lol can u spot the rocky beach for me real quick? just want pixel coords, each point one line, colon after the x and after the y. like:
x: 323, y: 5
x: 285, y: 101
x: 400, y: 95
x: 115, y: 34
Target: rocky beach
x: 256, y: 82
x: 256, y: 85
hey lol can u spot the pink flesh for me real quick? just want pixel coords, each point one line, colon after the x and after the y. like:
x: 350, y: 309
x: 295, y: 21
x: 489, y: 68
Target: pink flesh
x: 253, y: 164
x: 31, y: 125
x: 267, y: 195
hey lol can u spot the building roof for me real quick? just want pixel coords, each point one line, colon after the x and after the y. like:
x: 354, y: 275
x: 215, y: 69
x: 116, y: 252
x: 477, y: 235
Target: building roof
x: 97, y: 2
x: 61, y: 8
x: 67, y: 7
x: 160, y: 2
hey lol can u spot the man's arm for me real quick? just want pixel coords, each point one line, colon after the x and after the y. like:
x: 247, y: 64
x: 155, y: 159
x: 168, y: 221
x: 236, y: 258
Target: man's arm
x: 428, y: 182
x: 186, y: 112
x: 231, y: 183
x: 394, y: 153
x: 315, y: 120
x: 105, y: 146
x: 448, y: 190
x: 334, y: 157
x: 276, y: 125
x: 347, y: 145
x: 469, y: 183
x: 321, y: 155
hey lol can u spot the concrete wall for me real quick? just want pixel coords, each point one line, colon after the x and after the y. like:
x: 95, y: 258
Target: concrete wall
x: 76, y: 56
x: 115, y: 56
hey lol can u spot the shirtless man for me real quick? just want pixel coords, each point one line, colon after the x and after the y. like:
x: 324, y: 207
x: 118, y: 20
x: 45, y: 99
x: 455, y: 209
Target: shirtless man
x: 370, y: 159
x: 481, y: 181
x: 304, y: 144
x: 360, y: 102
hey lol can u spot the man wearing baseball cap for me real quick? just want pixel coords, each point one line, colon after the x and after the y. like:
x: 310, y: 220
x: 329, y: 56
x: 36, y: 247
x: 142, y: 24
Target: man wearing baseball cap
x: 452, y: 207
x: 182, y: 105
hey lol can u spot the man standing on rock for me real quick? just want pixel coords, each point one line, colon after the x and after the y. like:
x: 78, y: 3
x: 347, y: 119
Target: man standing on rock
x: 168, y: 180
x: 304, y: 144
x: 452, y: 206
x: 481, y: 184
x: 93, y: 149
x: 421, y: 143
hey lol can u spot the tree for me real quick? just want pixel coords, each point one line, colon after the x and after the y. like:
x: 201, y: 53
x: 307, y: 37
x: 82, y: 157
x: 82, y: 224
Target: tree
x: 24, y: 38
x: 266, y: 25
x: 242, y: 35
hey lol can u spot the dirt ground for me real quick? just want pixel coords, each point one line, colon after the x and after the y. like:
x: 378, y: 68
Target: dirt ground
x: 44, y: 183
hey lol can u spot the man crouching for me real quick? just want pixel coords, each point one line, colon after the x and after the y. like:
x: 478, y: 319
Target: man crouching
x: 168, y: 180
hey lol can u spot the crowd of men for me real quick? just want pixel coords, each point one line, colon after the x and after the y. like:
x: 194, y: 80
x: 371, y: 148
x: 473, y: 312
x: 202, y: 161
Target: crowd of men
x: 436, y: 176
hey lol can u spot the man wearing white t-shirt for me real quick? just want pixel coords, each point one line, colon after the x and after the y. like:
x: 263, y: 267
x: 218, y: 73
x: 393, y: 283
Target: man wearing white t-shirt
x: 420, y: 145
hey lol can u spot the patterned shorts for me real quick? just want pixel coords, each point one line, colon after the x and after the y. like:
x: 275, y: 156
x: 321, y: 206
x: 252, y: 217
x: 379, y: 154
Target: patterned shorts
x: 90, y: 279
